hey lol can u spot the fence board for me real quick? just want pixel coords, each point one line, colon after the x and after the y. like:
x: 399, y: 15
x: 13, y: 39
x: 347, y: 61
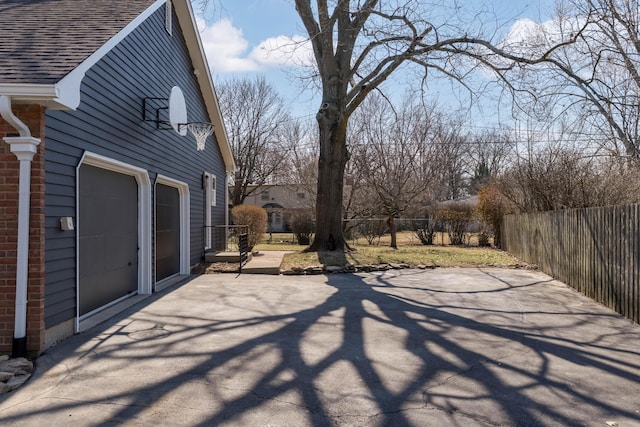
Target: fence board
x: 594, y: 250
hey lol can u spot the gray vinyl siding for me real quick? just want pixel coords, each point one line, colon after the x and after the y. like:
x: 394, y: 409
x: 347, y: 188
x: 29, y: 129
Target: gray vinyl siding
x: 109, y: 122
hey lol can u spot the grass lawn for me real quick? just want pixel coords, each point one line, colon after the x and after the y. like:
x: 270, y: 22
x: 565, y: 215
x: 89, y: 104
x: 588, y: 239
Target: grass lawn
x: 409, y: 252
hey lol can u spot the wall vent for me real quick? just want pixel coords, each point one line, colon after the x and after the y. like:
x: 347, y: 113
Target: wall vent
x: 168, y: 14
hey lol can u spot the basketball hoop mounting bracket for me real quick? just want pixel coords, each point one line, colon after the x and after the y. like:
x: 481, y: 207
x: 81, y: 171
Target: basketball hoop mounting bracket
x: 171, y: 113
x: 155, y: 110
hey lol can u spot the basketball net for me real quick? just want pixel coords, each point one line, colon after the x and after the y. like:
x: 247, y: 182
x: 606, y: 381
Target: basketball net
x: 200, y: 132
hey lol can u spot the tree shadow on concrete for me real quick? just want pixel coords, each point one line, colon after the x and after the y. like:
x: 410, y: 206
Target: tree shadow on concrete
x: 399, y: 348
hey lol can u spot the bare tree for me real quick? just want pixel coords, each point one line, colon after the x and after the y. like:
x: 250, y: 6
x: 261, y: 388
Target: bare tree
x: 253, y: 114
x: 357, y: 46
x: 300, y: 168
x: 490, y: 153
x: 593, y: 76
x: 557, y: 177
x: 390, y: 153
x: 451, y: 151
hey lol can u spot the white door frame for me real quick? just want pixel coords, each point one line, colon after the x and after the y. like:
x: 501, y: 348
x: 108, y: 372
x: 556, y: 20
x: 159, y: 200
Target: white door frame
x: 144, y: 220
x: 185, y: 220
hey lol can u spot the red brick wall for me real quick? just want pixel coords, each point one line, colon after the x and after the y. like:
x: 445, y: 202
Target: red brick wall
x: 33, y: 116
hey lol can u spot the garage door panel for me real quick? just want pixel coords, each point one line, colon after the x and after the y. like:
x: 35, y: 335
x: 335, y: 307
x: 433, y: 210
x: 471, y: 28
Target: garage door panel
x: 108, y: 237
x: 167, y: 231
x: 104, y: 290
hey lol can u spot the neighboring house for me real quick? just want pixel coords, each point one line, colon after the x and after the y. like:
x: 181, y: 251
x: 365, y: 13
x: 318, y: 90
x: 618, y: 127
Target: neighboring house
x: 280, y: 202
x: 119, y: 201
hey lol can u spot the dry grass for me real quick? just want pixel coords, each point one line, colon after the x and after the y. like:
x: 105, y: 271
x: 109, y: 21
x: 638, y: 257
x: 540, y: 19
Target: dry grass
x: 431, y: 256
x: 409, y: 251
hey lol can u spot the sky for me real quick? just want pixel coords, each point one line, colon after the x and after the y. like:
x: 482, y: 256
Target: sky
x: 248, y: 38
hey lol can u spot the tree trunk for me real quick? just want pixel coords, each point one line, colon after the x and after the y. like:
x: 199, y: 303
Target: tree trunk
x: 333, y: 157
x: 391, y: 221
x: 236, y: 195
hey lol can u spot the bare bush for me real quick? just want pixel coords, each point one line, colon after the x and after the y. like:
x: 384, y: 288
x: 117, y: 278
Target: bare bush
x: 491, y: 208
x: 424, y: 228
x: 254, y: 217
x: 562, y: 178
x: 372, y: 229
x: 456, y: 218
x: 302, y: 226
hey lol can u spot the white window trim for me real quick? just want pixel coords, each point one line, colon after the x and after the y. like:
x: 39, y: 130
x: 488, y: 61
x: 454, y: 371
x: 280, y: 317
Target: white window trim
x: 185, y: 219
x: 209, y: 202
x: 144, y: 220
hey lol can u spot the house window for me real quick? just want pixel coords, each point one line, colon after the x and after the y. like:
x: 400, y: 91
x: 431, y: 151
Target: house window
x: 168, y: 17
x: 212, y: 189
x: 264, y: 195
x: 210, y: 201
x: 301, y: 195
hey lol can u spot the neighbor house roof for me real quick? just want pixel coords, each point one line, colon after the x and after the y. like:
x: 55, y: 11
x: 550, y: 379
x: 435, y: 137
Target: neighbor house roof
x: 44, y: 40
x: 47, y: 46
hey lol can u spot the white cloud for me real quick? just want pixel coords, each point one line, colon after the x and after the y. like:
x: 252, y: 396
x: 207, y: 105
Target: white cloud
x: 226, y: 49
x: 224, y: 46
x: 284, y: 51
x: 526, y: 36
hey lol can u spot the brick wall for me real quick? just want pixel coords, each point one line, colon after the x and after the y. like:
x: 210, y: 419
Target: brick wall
x: 33, y: 116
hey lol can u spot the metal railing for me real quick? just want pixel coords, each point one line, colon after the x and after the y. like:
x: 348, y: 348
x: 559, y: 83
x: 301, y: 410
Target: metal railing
x: 225, y: 237
x: 229, y: 238
x: 243, y: 244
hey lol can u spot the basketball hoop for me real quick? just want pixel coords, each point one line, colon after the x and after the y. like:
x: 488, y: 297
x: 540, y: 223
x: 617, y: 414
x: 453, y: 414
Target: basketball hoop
x: 174, y: 116
x: 200, y: 132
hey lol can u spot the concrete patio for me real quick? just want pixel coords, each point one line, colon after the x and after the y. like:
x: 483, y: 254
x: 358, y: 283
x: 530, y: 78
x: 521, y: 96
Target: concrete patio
x: 443, y: 347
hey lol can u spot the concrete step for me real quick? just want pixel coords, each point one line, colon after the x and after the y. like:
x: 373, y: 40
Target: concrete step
x: 264, y: 262
x: 229, y: 256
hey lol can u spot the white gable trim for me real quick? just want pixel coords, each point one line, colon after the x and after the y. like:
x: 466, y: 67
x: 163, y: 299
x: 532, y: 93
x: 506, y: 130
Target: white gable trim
x: 187, y: 20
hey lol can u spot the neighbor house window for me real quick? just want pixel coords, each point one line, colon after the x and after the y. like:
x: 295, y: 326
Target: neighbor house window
x: 301, y: 195
x: 265, y: 195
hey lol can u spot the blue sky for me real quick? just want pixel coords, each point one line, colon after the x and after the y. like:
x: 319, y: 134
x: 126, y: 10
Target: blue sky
x: 254, y: 37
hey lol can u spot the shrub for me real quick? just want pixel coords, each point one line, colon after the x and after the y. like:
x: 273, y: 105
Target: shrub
x: 491, y: 208
x: 302, y: 227
x: 456, y: 218
x: 254, y: 217
x: 483, y: 238
x: 372, y: 229
x: 424, y: 228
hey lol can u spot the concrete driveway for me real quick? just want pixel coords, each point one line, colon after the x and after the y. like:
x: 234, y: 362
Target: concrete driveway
x: 444, y: 347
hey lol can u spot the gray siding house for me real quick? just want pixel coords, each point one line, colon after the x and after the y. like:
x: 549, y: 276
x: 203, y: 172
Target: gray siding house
x: 104, y: 194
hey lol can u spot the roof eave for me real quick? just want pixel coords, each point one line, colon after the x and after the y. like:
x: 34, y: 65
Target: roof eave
x: 47, y: 95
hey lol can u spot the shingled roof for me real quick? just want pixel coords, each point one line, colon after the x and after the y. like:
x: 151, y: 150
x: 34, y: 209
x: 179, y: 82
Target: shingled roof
x: 46, y: 46
x: 43, y: 40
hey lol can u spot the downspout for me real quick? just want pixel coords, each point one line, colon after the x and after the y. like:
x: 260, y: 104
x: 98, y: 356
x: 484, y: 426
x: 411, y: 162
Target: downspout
x: 24, y: 147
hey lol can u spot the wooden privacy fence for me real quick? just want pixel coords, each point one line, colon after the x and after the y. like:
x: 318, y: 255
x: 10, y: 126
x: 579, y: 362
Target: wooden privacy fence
x: 594, y: 250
